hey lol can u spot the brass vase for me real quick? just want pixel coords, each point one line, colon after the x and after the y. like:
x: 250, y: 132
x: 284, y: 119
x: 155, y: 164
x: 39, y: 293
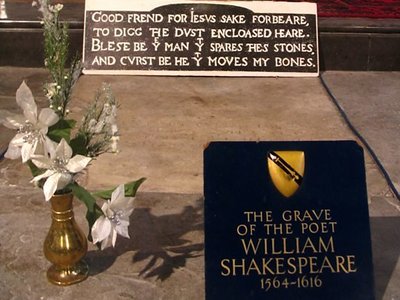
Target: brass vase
x: 65, y: 244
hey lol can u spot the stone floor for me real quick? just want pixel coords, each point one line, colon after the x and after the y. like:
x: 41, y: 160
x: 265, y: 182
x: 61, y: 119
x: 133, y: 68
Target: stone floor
x: 165, y: 123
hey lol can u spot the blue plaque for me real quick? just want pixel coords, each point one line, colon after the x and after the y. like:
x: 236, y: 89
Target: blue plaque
x: 286, y: 220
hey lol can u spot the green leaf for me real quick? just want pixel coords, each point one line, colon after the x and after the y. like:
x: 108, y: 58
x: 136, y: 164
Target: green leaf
x: 93, y: 210
x: 61, y: 130
x: 34, y: 170
x: 130, y: 189
x: 79, y: 144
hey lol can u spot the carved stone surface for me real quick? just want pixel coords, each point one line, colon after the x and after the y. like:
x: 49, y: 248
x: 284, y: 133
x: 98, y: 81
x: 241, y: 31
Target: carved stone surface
x: 165, y: 123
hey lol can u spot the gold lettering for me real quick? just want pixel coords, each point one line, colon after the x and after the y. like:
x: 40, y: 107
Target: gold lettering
x: 274, y: 251
x: 324, y: 248
x: 250, y: 244
x: 339, y: 264
x: 288, y: 265
x: 253, y: 267
x: 286, y: 216
x: 289, y: 229
x: 241, y: 266
x: 285, y: 251
x: 268, y: 216
x: 313, y: 265
x: 306, y: 216
x: 302, y: 262
x: 309, y: 244
x: 265, y: 267
x: 284, y: 245
x: 296, y: 215
x: 345, y: 264
x: 328, y: 215
x: 333, y: 224
x: 351, y: 263
x: 278, y: 229
x: 258, y: 216
x: 313, y: 215
x: 227, y: 269
x: 326, y: 264
x: 292, y: 266
x: 280, y: 269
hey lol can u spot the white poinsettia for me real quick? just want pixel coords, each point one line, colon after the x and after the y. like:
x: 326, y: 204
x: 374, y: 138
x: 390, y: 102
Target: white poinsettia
x: 115, y: 219
x: 61, y: 167
x: 32, y: 128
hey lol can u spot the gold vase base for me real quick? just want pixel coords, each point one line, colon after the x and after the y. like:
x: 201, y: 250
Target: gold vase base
x: 69, y: 275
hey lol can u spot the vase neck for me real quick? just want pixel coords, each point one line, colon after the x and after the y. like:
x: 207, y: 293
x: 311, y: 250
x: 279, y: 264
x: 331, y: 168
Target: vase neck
x: 61, y: 206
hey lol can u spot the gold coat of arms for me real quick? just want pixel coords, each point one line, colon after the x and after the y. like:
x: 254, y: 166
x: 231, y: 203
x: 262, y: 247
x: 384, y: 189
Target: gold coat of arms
x: 286, y: 169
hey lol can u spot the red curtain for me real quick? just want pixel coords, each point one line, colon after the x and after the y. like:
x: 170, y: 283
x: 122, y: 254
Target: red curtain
x: 358, y: 8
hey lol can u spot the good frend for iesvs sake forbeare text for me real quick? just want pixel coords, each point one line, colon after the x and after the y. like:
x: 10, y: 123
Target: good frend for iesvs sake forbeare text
x: 191, y: 38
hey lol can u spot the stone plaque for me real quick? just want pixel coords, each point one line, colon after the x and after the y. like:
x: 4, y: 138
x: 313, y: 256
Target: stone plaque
x: 286, y: 220
x: 218, y: 38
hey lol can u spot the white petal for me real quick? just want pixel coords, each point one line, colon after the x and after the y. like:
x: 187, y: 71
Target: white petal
x: 41, y: 161
x: 18, y: 140
x: 24, y: 96
x: 63, y: 150
x: 123, y: 231
x: 105, y: 207
x: 131, y: 201
x: 43, y: 129
x: 127, y: 213
x: 31, y: 116
x: 43, y: 175
x: 101, y: 229
x: 120, y: 202
x: 50, y: 147
x: 11, y: 121
x: 13, y: 152
x: 50, y: 186
x: 123, y: 204
x: 64, y: 180
x: 48, y: 117
x: 39, y: 146
x: 26, y: 151
x: 113, y: 237
x: 106, y: 243
x: 117, y: 196
x: 25, y: 100
x: 124, y: 222
x: 77, y: 163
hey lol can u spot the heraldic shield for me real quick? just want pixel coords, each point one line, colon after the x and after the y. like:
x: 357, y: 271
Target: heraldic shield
x: 286, y: 169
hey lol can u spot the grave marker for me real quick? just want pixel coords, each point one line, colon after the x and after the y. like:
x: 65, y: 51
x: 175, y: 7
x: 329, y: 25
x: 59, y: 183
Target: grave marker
x: 286, y: 220
x: 219, y: 38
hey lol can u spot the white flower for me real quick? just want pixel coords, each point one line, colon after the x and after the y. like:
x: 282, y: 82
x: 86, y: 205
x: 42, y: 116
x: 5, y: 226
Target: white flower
x: 32, y: 129
x: 58, y: 7
x: 114, y: 144
x: 51, y: 90
x: 43, y: 7
x: 115, y: 220
x: 61, y: 167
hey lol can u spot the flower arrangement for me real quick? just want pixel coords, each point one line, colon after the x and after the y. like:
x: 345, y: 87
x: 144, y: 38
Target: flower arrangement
x: 56, y: 148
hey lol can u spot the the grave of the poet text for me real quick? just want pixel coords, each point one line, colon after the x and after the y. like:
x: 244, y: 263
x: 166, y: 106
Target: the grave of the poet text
x: 286, y: 220
x: 219, y: 38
